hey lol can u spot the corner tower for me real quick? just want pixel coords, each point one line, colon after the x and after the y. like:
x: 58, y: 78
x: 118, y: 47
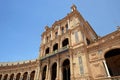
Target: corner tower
x: 63, y: 53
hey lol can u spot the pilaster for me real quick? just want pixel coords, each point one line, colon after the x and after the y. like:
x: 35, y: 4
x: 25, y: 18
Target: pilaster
x: 8, y: 77
x: 71, y: 65
x: 58, y: 64
x: 48, y: 71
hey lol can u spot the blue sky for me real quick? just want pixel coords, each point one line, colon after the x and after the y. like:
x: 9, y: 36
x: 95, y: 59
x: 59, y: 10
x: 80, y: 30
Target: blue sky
x: 22, y: 22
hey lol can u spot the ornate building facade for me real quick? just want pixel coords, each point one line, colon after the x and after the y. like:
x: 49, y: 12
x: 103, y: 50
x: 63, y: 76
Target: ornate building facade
x: 70, y: 50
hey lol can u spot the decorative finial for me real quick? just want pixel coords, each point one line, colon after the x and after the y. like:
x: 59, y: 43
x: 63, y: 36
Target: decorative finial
x: 46, y: 28
x: 118, y: 27
x: 73, y: 7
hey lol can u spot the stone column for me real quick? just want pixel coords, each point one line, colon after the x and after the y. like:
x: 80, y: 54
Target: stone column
x: 71, y: 65
x: 8, y: 77
x: 106, y: 68
x: 80, y: 36
x: 58, y: 61
x: 51, y: 35
x: 28, y: 76
x: 47, y: 71
x: 21, y: 76
x: 44, y: 39
x: 40, y: 75
x: 37, y: 74
x: 59, y: 30
x: 60, y: 72
x: 68, y: 21
x: 14, y: 77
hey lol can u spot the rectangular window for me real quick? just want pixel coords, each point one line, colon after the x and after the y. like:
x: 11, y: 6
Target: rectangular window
x: 81, y: 65
x: 76, y: 37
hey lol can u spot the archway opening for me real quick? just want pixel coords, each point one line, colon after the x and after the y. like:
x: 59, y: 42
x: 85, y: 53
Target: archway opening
x: 112, y: 58
x: 5, y: 77
x: 54, y: 71
x: 65, y: 42
x: 32, y: 75
x: 47, y: 51
x: 66, y: 70
x: 55, y: 47
x: 0, y: 76
x: 25, y: 76
x: 44, y: 73
x: 18, y: 76
x: 88, y: 41
x: 11, y: 76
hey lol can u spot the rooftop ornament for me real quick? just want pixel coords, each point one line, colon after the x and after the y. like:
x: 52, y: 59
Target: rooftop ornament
x: 118, y: 28
x: 73, y: 7
x: 46, y: 28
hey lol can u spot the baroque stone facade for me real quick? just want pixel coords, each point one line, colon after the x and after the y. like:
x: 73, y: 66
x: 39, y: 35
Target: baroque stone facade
x: 70, y: 50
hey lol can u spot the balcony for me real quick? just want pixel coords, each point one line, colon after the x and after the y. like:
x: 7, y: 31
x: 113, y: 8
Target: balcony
x: 63, y: 49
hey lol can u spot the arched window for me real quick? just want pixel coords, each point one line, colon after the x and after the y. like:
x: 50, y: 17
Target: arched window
x: 5, y: 77
x: 55, y: 47
x: 47, y: 51
x: 32, y: 75
x: 62, y: 30
x: 11, y: 76
x: 54, y: 71
x: 56, y: 34
x: 44, y: 73
x: 66, y: 26
x: 18, y: 76
x: 66, y: 70
x: 112, y: 58
x: 65, y: 42
x: 25, y: 76
x: 88, y: 41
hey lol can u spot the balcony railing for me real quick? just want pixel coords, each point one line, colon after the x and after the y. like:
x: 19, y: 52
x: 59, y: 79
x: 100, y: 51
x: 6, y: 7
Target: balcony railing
x: 55, y: 52
x: 110, y: 78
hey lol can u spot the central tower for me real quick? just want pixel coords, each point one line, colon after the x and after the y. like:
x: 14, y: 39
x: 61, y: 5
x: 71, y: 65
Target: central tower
x: 63, y: 48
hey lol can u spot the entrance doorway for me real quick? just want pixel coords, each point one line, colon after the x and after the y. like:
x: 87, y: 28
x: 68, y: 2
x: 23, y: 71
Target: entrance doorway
x: 66, y: 70
x: 44, y: 73
x: 54, y: 71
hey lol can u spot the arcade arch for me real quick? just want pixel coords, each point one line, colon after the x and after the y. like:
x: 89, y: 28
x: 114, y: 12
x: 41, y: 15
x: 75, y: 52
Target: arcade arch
x: 66, y: 69
x: 25, y: 76
x: 112, y: 58
x: 11, y: 76
x: 44, y: 73
x: 18, y: 76
x: 32, y: 75
x: 54, y: 71
x: 5, y: 77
